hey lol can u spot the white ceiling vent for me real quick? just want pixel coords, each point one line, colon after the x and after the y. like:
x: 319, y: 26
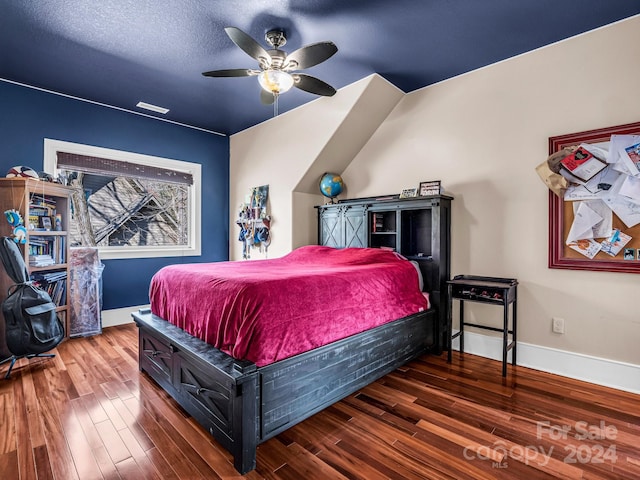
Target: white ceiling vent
x: 153, y: 108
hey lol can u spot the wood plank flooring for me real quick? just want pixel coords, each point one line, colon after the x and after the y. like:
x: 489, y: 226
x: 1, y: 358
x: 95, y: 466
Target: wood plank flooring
x: 89, y: 413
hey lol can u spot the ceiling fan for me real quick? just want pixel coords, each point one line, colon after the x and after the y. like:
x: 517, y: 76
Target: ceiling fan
x: 278, y: 71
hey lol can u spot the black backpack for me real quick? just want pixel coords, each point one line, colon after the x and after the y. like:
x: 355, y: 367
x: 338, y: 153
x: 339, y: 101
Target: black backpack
x: 31, y: 323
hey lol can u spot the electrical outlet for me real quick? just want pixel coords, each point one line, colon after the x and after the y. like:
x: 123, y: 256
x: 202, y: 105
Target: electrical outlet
x: 557, y: 325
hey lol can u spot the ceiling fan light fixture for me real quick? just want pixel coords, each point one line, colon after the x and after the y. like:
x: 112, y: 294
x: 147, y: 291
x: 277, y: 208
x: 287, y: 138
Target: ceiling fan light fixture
x: 278, y: 69
x: 275, y: 81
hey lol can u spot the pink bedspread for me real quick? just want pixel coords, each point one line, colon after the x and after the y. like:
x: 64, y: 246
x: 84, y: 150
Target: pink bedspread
x: 268, y: 310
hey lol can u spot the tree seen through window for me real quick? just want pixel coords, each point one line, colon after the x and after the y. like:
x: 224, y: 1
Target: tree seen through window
x: 127, y: 211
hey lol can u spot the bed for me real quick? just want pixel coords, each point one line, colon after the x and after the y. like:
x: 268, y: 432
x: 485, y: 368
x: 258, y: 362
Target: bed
x: 252, y: 348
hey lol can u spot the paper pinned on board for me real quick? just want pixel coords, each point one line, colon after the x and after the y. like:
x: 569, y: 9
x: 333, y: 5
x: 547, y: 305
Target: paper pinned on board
x: 630, y: 188
x: 598, y: 150
x: 605, y: 226
x: 589, y: 248
x: 633, y: 152
x: 584, y: 221
x: 615, y: 243
x: 619, y: 155
x: 598, y: 187
x: 623, y: 207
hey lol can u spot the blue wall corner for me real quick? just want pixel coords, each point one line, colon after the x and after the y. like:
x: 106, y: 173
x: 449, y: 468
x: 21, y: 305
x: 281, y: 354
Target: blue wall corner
x: 28, y: 116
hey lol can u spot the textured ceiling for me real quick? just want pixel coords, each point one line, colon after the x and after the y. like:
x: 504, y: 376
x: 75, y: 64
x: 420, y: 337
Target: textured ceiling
x: 120, y: 52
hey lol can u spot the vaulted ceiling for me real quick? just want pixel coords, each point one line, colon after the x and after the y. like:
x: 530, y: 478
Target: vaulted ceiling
x: 120, y: 52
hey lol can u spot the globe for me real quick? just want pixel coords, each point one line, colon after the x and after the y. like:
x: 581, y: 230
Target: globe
x: 331, y: 185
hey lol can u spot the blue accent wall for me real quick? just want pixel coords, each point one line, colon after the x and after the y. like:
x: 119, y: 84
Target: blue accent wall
x: 28, y: 116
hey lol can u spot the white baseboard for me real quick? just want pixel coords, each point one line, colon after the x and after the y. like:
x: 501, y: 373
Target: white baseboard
x: 609, y: 373
x: 119, y: 316
x: 601, y: 371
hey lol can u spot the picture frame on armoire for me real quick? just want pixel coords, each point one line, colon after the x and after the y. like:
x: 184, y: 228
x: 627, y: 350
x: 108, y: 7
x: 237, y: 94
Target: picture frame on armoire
x: 409, y: 193
x: 430, y: 188
x: 604, y: 253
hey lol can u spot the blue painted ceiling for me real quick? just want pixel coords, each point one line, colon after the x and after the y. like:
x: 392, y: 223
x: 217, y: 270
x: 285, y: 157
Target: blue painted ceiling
x: 120, y: 52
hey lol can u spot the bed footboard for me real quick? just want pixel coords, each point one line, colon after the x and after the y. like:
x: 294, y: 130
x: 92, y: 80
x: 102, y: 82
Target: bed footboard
x: 242, y: 406
x: 221, y: 393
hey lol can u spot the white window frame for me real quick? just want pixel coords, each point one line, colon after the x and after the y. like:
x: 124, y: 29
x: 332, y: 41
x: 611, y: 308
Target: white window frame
x: 51, y: 149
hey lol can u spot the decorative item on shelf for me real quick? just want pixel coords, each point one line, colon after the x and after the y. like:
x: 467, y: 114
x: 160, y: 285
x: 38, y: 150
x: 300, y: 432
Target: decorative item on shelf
x: 45, y: 223
x: 331, y: 185
x: 14, y: 218
x: 430, y: 188
x: 63, y: 178
x: 409, y: 193
x: 22, y: 171
x: 45, y: 177
x: 254, y: 221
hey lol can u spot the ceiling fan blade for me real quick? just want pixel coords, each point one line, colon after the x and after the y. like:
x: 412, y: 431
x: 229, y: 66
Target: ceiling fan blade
x: 249, y: 46
x: 313, y: 85
x: 309, y: 56
x: 234, y: 72
x: 267, y: 98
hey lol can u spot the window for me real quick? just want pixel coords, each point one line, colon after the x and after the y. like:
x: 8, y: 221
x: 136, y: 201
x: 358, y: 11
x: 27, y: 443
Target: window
x: 127, y: 204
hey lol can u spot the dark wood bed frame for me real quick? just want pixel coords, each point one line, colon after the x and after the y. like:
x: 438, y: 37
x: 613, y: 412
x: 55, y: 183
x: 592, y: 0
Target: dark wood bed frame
x: 242, y: 405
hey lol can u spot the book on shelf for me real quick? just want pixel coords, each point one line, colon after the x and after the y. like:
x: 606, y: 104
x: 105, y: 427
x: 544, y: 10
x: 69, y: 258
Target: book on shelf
x: 54, y: 247
x: 45, y: 201
x: 41, y: 260
x: 39, y: 211
x: 49, y: 277
x: 41, y: 208
x: 54, y: 283
x: 378, y: 222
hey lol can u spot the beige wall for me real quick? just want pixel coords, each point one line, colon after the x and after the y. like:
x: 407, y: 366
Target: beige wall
x: 290, y: 153
x: 482, y: 134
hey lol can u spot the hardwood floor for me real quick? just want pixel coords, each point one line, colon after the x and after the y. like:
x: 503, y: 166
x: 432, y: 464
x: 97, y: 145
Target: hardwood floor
x: 89, y: 413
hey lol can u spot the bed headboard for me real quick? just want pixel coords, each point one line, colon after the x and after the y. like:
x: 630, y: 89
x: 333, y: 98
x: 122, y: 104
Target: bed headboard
x: 419, y: 228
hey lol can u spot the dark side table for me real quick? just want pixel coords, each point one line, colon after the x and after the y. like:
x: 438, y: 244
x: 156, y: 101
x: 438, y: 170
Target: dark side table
x: 491, y: 290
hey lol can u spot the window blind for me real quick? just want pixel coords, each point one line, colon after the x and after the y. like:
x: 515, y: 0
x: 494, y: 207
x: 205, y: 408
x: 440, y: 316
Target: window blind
x: 105, y: 166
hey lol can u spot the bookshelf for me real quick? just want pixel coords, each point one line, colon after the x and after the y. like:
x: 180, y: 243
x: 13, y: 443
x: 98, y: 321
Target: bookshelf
x: 383, y: 231
x: 45, y: 208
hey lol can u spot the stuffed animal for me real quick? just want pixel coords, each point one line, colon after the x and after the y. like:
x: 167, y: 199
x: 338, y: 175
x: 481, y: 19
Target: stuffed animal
x: 20, y: 234
x: 15, y: 220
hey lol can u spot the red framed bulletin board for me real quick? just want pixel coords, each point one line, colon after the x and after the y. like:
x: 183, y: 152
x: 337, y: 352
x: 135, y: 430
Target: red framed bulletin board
x: 561, y: 214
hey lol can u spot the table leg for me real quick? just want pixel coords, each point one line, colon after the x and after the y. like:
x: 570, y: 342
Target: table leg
x: 449, y: 332
x: 461, y: 326
x: 514, y: 338
x: 505, y: 336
